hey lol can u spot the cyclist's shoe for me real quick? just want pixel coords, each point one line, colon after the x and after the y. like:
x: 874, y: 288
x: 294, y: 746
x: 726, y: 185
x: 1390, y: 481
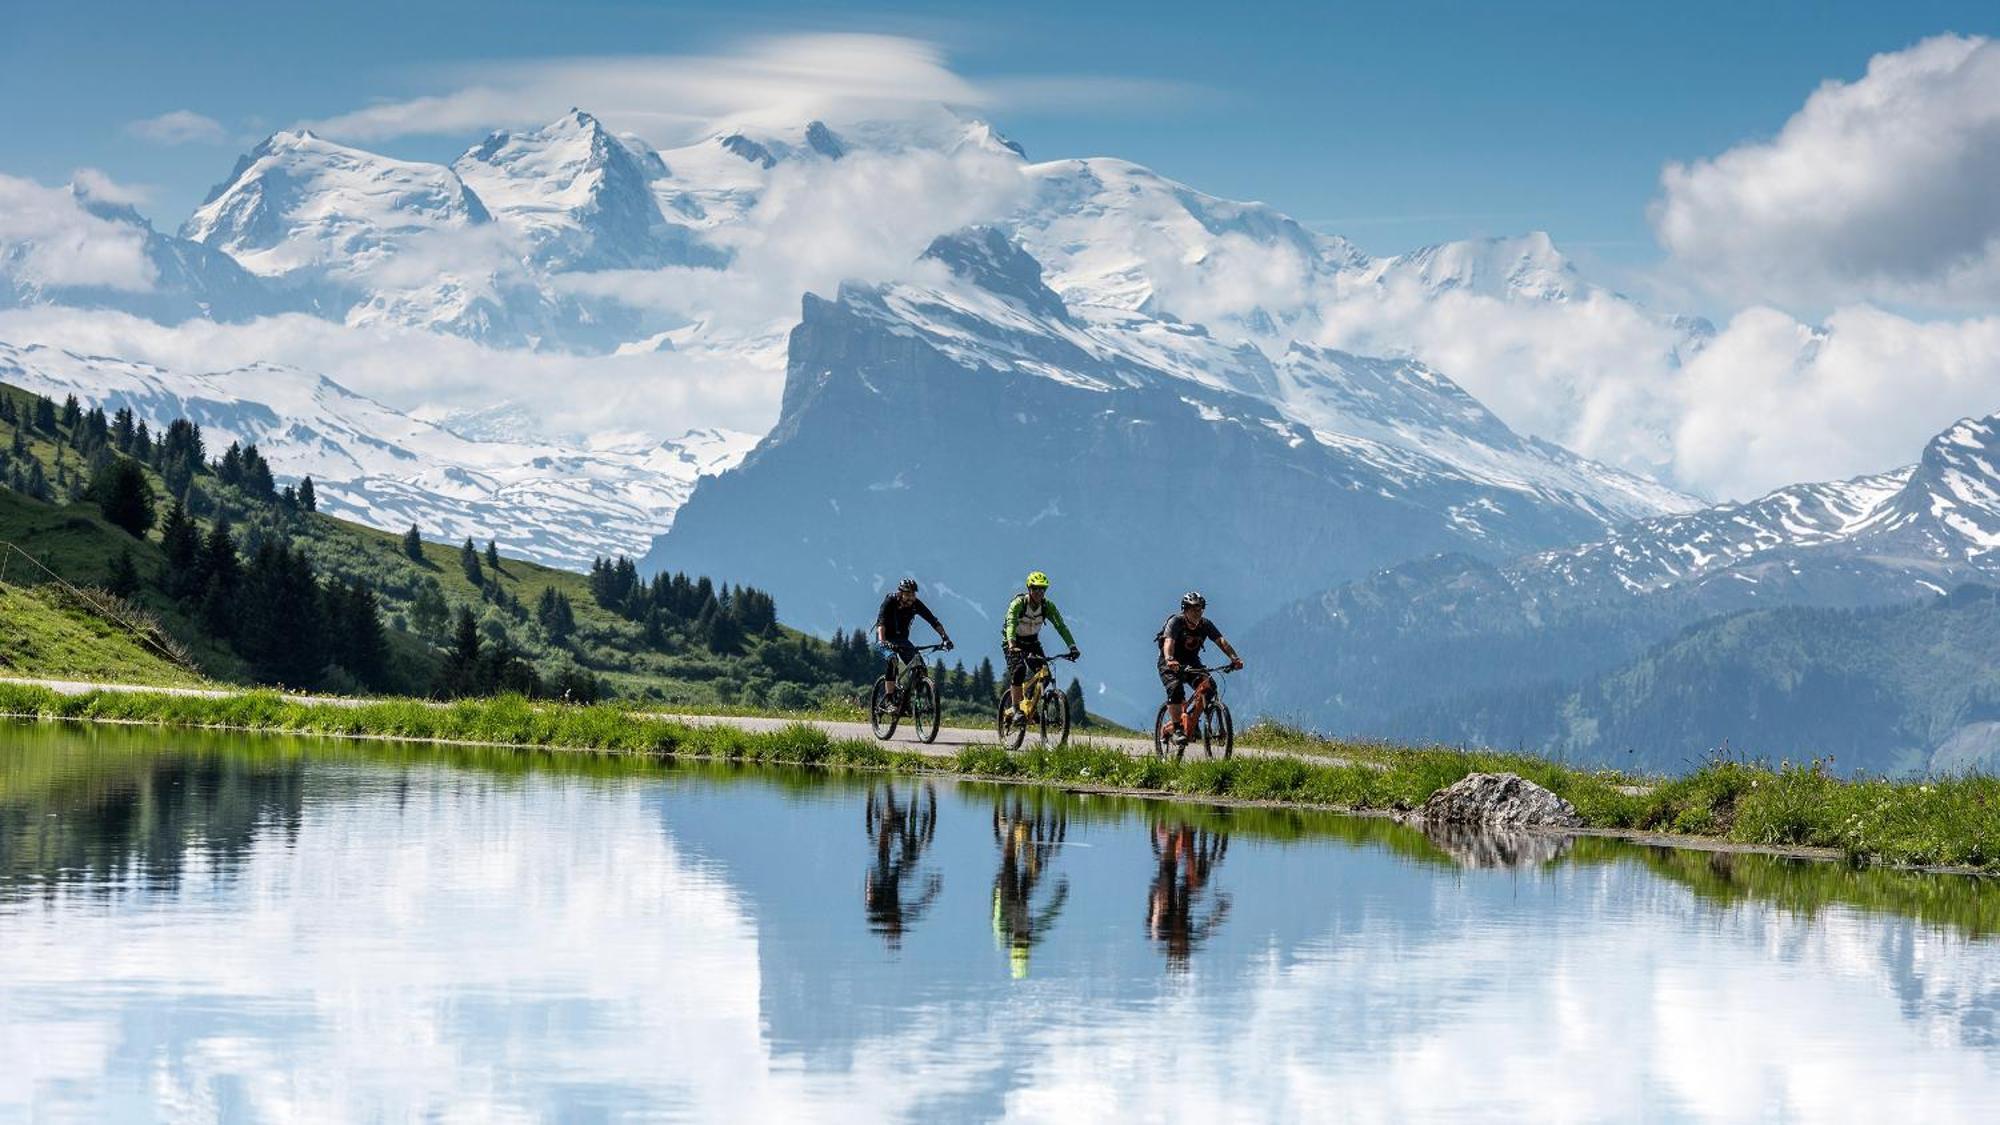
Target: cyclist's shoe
x: 1180, y: 740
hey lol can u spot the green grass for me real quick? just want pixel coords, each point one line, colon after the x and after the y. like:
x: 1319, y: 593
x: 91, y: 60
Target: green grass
x: 1949, y: 822
x: 45, y: 633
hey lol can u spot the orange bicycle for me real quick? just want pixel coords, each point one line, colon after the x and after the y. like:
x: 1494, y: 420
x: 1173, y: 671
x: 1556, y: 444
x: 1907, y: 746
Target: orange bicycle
x: 1211, y: 718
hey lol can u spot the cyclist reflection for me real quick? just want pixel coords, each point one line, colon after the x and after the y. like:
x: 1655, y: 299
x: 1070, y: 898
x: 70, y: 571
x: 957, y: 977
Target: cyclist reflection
x: 900, y: 830
x: 1028, y: 839
x: 1176, y: 915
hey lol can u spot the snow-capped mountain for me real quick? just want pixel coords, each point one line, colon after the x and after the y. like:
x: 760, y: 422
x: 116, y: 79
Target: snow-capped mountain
x: 1169, y: 307
x: 299, y: 202
x: 581, y: 198
x: 973, y: 428
x: 1374, y: 651
x: 561, y: 504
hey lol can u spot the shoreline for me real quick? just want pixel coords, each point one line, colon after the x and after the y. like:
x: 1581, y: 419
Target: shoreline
x: 1302, y: 781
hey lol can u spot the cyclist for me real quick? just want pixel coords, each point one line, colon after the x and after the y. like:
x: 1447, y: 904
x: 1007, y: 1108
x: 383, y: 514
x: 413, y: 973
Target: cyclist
x: 1181, y: 640
x: 892, y: 628
x: 1022, y: 633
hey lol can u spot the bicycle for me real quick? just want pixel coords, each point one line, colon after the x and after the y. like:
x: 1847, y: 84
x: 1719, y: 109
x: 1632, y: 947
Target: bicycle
x: 916, y: 695
x: 1211, y: 714
x: 1042, y: 703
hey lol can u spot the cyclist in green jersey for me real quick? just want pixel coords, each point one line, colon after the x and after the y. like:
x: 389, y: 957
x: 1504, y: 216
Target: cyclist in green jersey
x: 1022, y: 633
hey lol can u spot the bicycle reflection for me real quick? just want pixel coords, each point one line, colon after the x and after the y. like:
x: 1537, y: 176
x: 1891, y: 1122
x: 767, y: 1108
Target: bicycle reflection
x: 1022, y: 917
x: 899, y: 829
x: 1182, y: 910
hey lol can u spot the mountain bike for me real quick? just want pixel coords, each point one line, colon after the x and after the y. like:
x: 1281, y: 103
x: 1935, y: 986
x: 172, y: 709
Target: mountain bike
x: 1043, y: 705
x: 1212, y: 719
x: 914, y: 693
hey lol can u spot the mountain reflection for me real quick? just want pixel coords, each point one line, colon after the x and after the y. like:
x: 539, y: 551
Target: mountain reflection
x: 899, y: 829
x: 96, y: 815
x: 1182, y: 911
x: 1029, y: 828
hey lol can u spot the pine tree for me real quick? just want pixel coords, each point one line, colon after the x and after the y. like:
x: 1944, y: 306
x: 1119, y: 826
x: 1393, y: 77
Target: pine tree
x: 984, y: 685
x: 257, y: 479
x: 142, y: 444
x: 8, y: 412
x: 468, y: 561
x: 181, y: 541
x: 45, y: 415
x: 122, y: 432
x: 493, y: 556
x: 308, y: 499
x: 124, y: 578
x: 20, y: 443
x: 229, y: 470
x: 125, y: 497
x: 1077, y: 714
x: 413, y: 544
x: 72, y: 413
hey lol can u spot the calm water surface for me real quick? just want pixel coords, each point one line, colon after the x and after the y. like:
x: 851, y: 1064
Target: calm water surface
x: 207, y: 928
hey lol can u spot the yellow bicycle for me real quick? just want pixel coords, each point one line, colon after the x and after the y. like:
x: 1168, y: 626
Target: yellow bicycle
x: 1042, y: 705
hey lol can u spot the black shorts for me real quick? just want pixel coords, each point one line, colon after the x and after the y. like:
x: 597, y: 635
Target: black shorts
x: 1176, y: 680
x: 1017, y: 667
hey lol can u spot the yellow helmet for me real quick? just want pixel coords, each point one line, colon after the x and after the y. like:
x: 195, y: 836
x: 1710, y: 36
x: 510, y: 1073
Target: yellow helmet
x: 1037, y: 578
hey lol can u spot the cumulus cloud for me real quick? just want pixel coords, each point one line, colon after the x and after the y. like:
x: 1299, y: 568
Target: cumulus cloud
x: 1775, y: 400
x: 1879, y: 189
x: 866, y: 217
x: 783, y: 79
x: 179, y: 127
x: 48, y: 239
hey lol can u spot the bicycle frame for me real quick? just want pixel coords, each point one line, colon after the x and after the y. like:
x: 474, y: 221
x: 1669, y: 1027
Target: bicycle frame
x: 912, y: 670
x: 1035, y: 681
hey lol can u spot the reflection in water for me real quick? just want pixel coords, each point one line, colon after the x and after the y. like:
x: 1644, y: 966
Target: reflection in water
x: 1479, y: 845
x: 1029, y: 828
x: 1176, y: 916
x: 84, y: 811
x: 215, y: 927
x: 899, y: 830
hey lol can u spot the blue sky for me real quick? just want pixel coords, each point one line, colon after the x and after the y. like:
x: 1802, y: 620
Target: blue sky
x: 1396, y: 125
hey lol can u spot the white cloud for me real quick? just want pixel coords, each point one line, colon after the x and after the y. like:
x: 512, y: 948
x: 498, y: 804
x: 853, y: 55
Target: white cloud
x: 1774, y: 400
x: 1879, y: 189
x: 407, y: 367
x: 47, y: 240
x: 179, y: 127
x: 784, y: 79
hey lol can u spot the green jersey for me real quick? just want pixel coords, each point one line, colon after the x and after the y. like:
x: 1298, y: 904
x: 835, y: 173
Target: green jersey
x: 1024, y: 619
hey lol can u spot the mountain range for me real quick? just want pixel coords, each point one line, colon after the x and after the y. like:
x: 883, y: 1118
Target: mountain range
x: 1459, y: 648
x: 1110, y: 376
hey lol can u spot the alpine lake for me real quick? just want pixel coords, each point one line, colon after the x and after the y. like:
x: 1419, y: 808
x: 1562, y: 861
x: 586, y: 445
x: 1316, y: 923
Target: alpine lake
x: 224, y: 927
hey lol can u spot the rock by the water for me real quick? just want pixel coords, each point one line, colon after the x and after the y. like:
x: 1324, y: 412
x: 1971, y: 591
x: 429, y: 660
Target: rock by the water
x: 1499, y: 799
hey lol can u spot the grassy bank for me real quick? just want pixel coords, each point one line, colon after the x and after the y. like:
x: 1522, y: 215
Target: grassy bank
x: 1934, y: 823
x: 47, y: 632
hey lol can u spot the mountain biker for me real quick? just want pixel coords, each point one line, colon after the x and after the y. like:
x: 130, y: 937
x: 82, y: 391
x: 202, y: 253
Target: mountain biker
x: 1181, y: 640
x: 1022, y: 633
x: 892, y: 627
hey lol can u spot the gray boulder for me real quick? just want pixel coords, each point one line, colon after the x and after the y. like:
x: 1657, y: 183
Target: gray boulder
x: 1501, y: 799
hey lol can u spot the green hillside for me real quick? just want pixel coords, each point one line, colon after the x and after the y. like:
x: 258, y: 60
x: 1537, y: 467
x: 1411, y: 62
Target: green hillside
x: 47, y: 633
x: 293, y: 597
x: 1905, y: 689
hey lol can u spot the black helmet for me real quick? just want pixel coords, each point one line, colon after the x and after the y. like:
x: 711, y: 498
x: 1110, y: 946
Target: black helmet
x: 907, y: 586
x: 1192, y: 599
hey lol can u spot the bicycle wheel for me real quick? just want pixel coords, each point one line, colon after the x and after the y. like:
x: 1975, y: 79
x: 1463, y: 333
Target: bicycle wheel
x: 882, y: 715
x: 1163, y: 739
x: 1012, y: 727
x: 1053, y: 715
x: 924, y: 709
x: 1218, y: 731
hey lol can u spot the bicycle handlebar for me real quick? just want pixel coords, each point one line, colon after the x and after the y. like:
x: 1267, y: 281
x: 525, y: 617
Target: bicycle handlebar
x: 1045, y: 658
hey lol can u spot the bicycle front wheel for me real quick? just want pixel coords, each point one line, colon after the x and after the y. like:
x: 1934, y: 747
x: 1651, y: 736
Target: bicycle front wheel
x: 1218, y: 731
x: 1013, y: 728
x: 924, y: 709
x: 882, y: 714
x: 1054, y: 717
